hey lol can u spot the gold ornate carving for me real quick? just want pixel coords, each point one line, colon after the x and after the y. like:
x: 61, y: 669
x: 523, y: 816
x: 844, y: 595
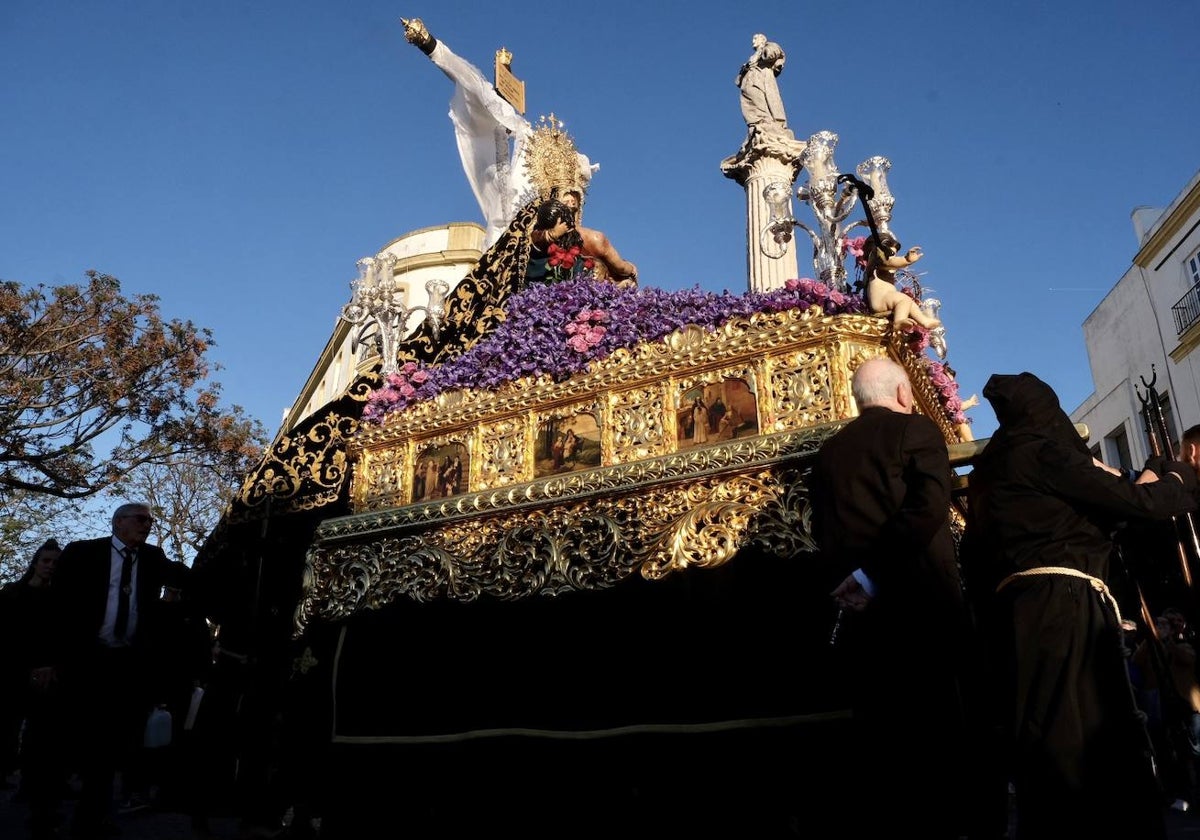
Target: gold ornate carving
x: 303, y: 471
x: 923, y: 389
x: 506, y: 452
x: 802, y: 390
x: 382, y: 479
x: 584, y: 545
x: 684, y: 352
x: 687, y: 339
x: 706, y: 526
x: 637, y: 428
x: 508, y: 557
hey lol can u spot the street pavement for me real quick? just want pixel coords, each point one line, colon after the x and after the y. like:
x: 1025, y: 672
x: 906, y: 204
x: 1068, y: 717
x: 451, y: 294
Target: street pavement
x: 152, y: 824
x: 145, y: 824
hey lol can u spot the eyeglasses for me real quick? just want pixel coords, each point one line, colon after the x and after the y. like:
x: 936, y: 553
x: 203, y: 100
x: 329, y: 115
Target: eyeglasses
x: 140, y: 517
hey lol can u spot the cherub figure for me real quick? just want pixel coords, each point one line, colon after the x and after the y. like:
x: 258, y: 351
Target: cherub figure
x: 883, y: 260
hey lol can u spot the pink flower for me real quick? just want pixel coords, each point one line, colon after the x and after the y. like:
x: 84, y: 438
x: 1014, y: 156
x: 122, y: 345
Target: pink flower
x: 407, y: 391
x: 418, y: 377
x: 585, y: 331
x: 918, y: 339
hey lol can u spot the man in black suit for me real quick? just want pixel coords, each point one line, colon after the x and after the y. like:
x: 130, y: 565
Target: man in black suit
x: 109, y: 591
x: 880, y: 496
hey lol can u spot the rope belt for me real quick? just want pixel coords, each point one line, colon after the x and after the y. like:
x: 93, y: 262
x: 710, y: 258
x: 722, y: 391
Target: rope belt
x: 1097, y: 584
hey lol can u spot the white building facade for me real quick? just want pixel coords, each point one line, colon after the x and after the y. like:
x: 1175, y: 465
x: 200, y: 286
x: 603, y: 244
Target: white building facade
x: 1147, y: 325
x: 445, y: 252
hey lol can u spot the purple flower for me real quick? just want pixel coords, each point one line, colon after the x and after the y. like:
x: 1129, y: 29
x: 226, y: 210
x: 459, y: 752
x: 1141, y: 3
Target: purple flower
x: 598, y: 319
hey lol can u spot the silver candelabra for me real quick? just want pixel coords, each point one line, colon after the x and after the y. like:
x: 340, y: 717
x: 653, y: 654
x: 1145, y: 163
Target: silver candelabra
x: 830, y: 206
x: 378, y: 307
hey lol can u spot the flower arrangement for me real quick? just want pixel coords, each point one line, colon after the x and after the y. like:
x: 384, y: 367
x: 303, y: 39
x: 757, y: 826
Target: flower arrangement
x: 586, y: 330
x: 854, y: 245
x: 942, y: 377
x: 567, y: 263
x: 557, y: 329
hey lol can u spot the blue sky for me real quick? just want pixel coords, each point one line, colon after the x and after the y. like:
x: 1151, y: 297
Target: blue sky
x: 237, y: 158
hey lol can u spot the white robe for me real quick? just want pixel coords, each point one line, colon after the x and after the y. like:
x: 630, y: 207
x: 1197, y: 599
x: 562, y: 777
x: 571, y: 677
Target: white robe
x: 484, y: 124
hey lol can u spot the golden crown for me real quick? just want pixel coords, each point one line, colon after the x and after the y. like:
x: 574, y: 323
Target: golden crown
x: 551, y: 160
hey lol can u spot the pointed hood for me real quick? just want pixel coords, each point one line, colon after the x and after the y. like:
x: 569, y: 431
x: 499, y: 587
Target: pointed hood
x: 1028, y: 408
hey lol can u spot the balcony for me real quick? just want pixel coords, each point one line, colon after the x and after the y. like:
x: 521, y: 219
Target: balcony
x: 1187, y: 310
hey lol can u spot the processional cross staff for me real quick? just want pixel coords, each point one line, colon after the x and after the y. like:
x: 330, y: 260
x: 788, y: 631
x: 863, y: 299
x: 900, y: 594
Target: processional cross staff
x: 1187, y: 540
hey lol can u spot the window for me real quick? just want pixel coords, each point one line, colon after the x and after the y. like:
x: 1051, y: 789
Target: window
x: 1117, y: 445
x: 1194, y: 267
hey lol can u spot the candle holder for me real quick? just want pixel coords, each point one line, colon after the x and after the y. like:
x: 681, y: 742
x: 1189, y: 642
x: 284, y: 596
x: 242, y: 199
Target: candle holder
x: 378, y: 307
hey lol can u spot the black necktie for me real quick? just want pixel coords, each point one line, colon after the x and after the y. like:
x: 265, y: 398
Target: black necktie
x: 129, y: 554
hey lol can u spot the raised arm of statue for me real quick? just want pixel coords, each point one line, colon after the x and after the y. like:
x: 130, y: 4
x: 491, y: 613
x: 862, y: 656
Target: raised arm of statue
x: 484, y: 125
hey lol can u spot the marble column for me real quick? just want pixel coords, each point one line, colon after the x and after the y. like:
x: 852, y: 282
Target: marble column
x: 762, y: 160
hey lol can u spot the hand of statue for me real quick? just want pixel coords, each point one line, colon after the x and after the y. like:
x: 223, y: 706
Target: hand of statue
x: 628, y: 272
x: 416, y: 33
x: 914, y: 254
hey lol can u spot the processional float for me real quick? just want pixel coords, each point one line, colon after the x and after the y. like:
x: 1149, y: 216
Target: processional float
x: 574, y: 514
x: 646, y: 493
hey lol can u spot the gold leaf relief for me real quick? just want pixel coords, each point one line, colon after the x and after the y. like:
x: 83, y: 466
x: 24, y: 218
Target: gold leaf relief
x: 708, y: 528
x: 802, y: 390
x: 637, y: 424
x: 502, y: 448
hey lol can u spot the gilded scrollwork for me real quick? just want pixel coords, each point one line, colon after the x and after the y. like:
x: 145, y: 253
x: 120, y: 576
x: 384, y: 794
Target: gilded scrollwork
x: 801, y: 390
x: 570, y: 532
x: 381, y: 473
x: 683, y: 352
x: 741, y: 454
x: 504, y: 447
x: 302, y: 471
x: 706, y: 527
x: 637, y: 426
x: 581, y: 547
x: 687, y: 339
x: 923, y: 388
x: 784, y: 523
